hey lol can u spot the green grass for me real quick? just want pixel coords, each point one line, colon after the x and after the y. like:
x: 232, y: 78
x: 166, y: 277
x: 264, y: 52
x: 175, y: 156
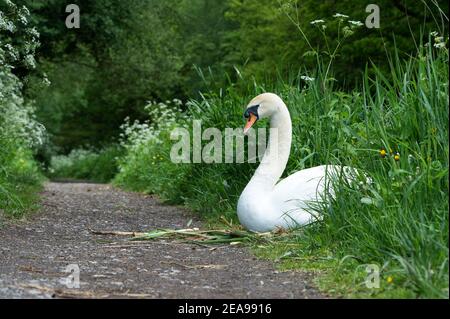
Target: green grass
x: 20, y: 180
x: 399, y: 222
x: 19, y: 200
x: 337, y: 276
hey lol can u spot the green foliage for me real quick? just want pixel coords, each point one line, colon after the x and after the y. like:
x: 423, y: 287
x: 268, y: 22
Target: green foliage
x: 404, y: 214
x: 19, y: 39
x: 97, y: 166
x: 352, y: 92
x: 20, y: 178
x: 146, y: 165
x: 128, y: 52
x: 277, y: 36
x: 399, y: 222
x: 20, y: 134
x: 123, y: 54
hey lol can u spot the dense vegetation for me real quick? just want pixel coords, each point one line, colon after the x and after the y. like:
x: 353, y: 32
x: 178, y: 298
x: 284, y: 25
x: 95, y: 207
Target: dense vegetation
x: 20, y: 134
x: 375, y: 99
x: 399, y: 222
x: 128, y: 52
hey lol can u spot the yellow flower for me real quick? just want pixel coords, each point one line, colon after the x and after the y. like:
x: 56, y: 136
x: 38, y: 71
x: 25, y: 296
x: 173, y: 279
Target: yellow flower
x: 383, y: 153
x: 397, y: 156
x: 389, y: 280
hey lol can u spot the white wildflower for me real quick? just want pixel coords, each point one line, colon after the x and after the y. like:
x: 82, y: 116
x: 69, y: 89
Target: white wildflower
x: 33, y: 32
x: 9, y: 26
x: 24, y: 11
x: 317, y: 21
x: 46, y: 81
x: 347, y: 31
x: 29, y: 61
x: 12, y: 52
x: 177, y: 102
x: 10, y: 4
x: 439, y: 45
x: 356, y: 23
x: 340, y: 15
x: 163, y: 117
x: 23, y: 19
x: 307, y: 78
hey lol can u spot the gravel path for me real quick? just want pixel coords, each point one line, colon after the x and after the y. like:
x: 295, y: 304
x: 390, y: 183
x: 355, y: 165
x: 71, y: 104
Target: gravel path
x: 34, y: 253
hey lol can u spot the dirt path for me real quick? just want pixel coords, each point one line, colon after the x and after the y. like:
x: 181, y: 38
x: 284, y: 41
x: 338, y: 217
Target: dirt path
x: 34, y: 254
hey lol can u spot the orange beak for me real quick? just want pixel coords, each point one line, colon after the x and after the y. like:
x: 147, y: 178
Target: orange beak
x: 251, y: 120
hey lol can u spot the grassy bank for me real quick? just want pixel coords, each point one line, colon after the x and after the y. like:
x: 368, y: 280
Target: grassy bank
x: 393, y: 127
x: 20, y: 175
x: 20, y: 180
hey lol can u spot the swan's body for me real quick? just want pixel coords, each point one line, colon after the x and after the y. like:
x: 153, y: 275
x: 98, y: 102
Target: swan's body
x: 267, y: 203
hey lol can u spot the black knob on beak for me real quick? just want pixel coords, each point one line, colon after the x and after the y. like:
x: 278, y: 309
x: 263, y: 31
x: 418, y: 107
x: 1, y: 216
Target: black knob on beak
x: 252, y: 110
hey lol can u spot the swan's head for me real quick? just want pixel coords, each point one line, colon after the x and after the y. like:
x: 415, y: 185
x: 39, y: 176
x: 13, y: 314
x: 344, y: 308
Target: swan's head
x: 262, y: 106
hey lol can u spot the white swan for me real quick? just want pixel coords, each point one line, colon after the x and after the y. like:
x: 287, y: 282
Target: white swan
x: 265, y: 204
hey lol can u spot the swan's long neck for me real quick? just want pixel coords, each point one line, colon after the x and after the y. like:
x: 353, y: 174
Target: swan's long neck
x: 277, y: 152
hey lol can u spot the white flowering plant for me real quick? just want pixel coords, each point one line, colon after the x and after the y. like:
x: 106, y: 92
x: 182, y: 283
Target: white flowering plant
x: 345, y: 27
x: 147, y: 166
x: 163, y: 116
x: 18, y: 40
x: 438, y: 41
x: 20, y: 133
x: 18, y: 43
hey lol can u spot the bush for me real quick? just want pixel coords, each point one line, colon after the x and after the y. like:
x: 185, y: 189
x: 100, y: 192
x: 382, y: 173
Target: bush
x: 20, y: 133
x: 86, y: 164
x: 146, y: 166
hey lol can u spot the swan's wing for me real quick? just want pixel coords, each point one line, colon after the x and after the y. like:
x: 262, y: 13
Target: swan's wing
x: 298, y: 193
x: 301, y: 186
x: 311, y: 182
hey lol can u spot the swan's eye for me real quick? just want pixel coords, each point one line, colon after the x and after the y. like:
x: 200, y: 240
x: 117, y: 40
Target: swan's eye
x: 251, y: 110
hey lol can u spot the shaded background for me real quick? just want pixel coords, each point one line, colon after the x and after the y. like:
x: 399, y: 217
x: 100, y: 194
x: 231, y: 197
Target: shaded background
x: 128, y: 52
